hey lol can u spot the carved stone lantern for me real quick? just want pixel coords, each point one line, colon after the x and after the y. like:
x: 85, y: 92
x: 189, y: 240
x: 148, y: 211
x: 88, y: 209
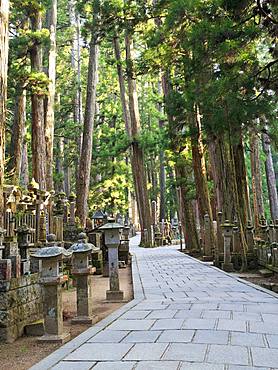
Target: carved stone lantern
x: 112, y: 237
x: 124, y: 246
x: 82, y: 270
x: 227, y: 229
x: 52, y: 278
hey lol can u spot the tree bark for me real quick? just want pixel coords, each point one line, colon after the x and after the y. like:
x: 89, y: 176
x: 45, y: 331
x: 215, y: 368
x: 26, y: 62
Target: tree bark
x: 76, y: 66
x: 186, y: 209
x: 86, y: 151
x: 241, y: 179
x: 24, y: 169
x: 270, y: 176
x: 18, y: 135
x: 38, y: 133
x: 258, y: 203
x: 139, y: 173
x: 4, y: 44
x: 49, y: 117
x: 200, y: 175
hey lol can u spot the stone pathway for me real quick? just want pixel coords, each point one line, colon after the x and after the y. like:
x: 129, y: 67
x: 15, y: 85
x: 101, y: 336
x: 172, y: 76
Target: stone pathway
x: 185, y: 315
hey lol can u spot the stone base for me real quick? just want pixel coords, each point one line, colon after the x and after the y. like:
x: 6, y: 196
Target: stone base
x: 207, y: 258
x: 228, y: 267
x: 84, y: 320
x: 52, y: 338
x: 115, y: 296
x: 34, y: 329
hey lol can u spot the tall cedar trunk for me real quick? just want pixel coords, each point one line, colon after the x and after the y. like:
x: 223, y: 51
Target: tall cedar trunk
x: 49, y: 116
x: 200, y: 173
x: 214, y: 174
x: 256, y: 178
x: 59, y: 184
x: 66, y: 171
x: 38, y: 133
x: 76, y: 66
x: 229, y: 188
x: 241, y: 179
x: 162, y: 172
x: 270, y: 176
x: 18, y: 135
x: 186, y: 207
x: 137, y: 157
x: 87, y: 141
x: 4, y: 42
x: 24, y: 169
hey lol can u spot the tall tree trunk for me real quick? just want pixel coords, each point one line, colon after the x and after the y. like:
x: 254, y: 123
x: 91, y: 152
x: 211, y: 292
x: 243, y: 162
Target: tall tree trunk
x: 200, y: 174
x: 18, y: 135
x: 139, y: 173
x: 76, y: 66
x: 66, y: 171
x: 49, y: 117
x: 258, y: 203
x: 38, y: 133
x: 162, y: 172
x: 59, y: 164
x: 270, y: 176
x: 86, y: 151
x: 187, y: 216
x: 4, y: 42
x: 241, y: 179
x: 24, y: 169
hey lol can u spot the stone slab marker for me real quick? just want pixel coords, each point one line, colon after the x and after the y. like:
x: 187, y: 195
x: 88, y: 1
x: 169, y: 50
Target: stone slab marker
x: 82, y: 270
x: 207, y: 242
x: 51, y: 280
x: 112, y: 241
x: 227, y: 228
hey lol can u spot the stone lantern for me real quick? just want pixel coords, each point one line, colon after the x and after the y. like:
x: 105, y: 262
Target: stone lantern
x: 112, y: 241
x: 99, y: 218
x: 227, y: 229
x: 82, y: 270
x: 52, y: 278
x: 124, y: 246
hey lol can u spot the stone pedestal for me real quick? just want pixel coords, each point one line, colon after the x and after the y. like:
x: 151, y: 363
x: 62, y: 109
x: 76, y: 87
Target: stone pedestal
x: 84, y: 300
x: 53, y: 314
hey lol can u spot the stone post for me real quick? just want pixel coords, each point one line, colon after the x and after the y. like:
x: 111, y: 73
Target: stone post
x: 236, y: 239
x: 207, y: 242
x: 263, y: 229
x: 72, y: 209
x: 51, y: 280
x: 82, y: 270
x: 42, y: 228
x: 112, y: 241
x: 271, y: 232
x: 276, y: 230
x: 250, y: 237
x: 227, y: 228
x: 2, y: 236
x: 154, y: 212
x: 220, y: 240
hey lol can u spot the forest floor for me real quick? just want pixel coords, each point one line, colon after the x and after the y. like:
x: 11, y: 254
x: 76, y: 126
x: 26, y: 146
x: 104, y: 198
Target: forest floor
x: 255, y: 277
x: 26, y: 351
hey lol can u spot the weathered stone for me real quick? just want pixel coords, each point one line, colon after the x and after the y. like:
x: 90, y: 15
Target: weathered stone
x: 35, y: 329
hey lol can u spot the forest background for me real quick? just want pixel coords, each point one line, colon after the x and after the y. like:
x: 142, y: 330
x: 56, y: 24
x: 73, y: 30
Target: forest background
x: 129, y: 102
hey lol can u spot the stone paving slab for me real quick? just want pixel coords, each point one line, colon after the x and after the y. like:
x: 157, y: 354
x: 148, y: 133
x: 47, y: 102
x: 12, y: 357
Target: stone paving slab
x: 185, y: 315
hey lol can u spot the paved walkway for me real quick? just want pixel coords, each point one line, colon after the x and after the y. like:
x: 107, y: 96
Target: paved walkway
x: 186, y: 315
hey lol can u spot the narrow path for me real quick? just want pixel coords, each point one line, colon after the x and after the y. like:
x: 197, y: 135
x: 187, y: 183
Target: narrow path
x: 186, y: 315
